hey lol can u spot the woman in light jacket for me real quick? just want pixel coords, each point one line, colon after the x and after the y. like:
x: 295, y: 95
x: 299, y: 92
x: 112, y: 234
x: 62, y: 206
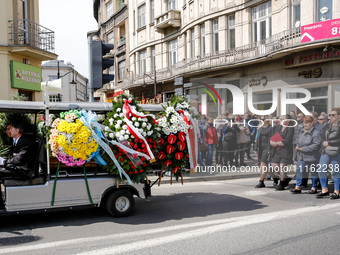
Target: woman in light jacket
x: 308, y: 144
x: 330, y: 156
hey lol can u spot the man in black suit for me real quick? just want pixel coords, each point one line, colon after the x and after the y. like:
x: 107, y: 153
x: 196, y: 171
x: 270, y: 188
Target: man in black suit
x: 21, y: 157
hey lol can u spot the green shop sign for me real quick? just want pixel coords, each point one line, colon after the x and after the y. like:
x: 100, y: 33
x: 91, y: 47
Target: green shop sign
x: 25, y: 76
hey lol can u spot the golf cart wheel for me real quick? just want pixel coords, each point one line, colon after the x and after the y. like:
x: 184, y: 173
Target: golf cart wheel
x: 120, y: 203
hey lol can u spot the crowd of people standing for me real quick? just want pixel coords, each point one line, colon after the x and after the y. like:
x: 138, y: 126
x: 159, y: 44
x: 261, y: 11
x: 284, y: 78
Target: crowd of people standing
x: 311, y: 142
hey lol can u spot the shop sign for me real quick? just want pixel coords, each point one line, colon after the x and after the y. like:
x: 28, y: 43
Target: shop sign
x: 316, y: 73
x: 25, y: 76
x: 178, y: 81
x: 321, y: 56
x: 179, y: 92
x: 110, y: 96
x: 258, y: 82
x: 320, y: 30
x: 192, y: 96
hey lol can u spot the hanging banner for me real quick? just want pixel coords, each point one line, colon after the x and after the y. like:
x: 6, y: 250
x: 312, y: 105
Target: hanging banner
x: 321, y: 30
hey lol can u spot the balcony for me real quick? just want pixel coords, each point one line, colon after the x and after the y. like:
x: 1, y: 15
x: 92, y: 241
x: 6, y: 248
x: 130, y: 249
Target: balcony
x: 171, y: 18
x: 32, y: 40
x: 278, y: 45
x: 121, y: 46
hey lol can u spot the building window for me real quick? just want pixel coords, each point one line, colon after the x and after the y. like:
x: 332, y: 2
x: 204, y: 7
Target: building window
x: 215, y: 36
x: 231, y: 31
x: 317, y: 103
x: 142, y: 62
x: 52, y: 78
x: 121, y: 70
x: 25, y: 95
x: 172, y: 4
x: 110, y: 38
x: 192, y: 43
x: 141, y: 16
x: 262, y: 21
x: 153, y: 57
x: 55, y: 98
x: 202, y: 40
x: 296, y: 13
x: 109, y: 10
x: 152, y: 7
x: 324, y: 10
x: 172, y: 52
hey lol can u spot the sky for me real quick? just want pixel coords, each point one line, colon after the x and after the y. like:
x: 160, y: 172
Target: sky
x: 70, y: 20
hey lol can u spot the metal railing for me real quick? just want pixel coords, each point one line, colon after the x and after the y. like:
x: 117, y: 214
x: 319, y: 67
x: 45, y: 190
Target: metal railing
x: 230, y: 57
x: 26, y: 32
x: 121, y: 41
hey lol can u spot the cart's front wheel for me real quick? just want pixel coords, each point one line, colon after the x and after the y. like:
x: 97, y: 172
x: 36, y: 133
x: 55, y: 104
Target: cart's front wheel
x: 120, y: 203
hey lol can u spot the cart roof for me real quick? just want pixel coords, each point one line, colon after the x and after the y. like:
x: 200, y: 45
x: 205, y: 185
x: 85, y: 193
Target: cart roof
x: 39, y: 106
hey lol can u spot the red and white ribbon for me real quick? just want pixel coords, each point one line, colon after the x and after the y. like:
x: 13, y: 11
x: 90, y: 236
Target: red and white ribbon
x: 191, y: 139
x: 129, y: 109
x: 134, y: 131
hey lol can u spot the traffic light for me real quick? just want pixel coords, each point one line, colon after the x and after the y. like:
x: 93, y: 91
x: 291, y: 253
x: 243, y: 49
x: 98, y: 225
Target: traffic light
x: 98, y: 63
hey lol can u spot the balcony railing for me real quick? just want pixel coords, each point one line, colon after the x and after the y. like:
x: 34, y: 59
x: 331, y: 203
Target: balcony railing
x: 171, y: 18
x: 222, y: 59
x: 27, y: 33
x: 121, y: 41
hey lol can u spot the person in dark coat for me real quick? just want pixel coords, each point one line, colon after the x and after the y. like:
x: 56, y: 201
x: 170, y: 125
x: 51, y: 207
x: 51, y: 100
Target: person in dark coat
x: 297, y: 130
x: 21, y: 156
x: 282, y: 151
x: 229, y: 142
x: 263, y: 148
x: 330, y: 155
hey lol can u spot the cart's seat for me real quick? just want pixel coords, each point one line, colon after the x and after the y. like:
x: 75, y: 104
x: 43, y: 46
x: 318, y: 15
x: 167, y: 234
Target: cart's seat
x: 17, y: 182
x: 30, y: 177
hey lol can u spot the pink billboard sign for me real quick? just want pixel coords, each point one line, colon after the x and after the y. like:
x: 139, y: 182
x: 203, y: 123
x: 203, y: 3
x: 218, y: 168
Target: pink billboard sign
x: 321, y: 30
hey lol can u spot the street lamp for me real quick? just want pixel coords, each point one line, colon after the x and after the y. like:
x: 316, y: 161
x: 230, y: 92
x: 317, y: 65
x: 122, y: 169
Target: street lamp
x: 154, y: 81
x: 73, y: 82
x: 329, y: 48
x: 58, y: 74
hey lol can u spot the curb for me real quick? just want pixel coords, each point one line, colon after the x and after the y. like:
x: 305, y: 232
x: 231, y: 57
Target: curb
x: 166, y: 179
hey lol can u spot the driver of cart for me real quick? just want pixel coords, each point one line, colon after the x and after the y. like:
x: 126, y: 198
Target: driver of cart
x: 8, y: 128
x: 21, y: 156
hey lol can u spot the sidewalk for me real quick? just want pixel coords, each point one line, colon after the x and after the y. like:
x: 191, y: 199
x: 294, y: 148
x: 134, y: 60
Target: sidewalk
x: 214, y: 173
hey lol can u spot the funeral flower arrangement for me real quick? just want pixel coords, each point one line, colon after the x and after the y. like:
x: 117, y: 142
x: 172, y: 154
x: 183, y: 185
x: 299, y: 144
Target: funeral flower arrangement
x: 178, y: 136
x: 129, y: 127
x: 70, y: 140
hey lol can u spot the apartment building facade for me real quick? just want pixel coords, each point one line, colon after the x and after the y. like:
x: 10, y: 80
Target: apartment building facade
x: 253, y: 44
x: 24, y: 44
x: 113, y: 27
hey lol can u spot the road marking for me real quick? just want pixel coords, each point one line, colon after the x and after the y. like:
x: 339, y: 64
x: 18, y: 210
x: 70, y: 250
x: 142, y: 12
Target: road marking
x: 255, y: 193
x: 211, y: 183
x: 241, y: 222
x: 204, y: 229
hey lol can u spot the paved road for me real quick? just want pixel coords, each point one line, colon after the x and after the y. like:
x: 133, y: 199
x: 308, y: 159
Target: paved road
x: 216, y: 217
